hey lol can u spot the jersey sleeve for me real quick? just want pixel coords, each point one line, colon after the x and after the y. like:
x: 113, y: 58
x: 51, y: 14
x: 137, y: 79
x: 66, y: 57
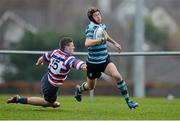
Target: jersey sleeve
x: 89, y: 33
x: 75, y: 63
x: 47, y: 56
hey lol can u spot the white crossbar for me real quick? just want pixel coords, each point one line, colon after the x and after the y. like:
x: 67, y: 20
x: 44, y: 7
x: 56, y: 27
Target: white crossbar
x: 157, y: 53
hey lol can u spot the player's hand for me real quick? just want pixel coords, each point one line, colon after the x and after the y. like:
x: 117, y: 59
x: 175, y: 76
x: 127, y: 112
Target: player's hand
x: 118, y: 46
x: 105, y: 35
x: 40, y: 61
x: 103, y: 38
x: 84, y: 67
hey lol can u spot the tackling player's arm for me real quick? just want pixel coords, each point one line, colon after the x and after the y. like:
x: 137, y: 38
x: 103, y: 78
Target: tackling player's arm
x: 117, y: 45
x: 78, y: 64
x: 44, y: 58
x: 91, y: 42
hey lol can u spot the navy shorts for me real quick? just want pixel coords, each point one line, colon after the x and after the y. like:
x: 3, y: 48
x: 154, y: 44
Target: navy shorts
x: 48, y: 90
x: 94, y: 70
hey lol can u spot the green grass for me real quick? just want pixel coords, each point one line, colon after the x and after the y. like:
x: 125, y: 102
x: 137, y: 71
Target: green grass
x: 102, y: 108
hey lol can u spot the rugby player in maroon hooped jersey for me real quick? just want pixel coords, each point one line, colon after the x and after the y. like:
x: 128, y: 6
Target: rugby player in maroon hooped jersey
x: 60, y: 62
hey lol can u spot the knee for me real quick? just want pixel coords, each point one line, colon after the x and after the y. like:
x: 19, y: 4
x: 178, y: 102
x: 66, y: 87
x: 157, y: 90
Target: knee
x: 50, y: 99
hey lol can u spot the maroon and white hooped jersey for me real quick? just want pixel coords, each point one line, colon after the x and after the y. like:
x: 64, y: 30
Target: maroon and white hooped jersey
x: 60, y: 63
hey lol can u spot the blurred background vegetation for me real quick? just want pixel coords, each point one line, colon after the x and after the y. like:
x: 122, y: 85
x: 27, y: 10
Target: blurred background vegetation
x: 22, y: 67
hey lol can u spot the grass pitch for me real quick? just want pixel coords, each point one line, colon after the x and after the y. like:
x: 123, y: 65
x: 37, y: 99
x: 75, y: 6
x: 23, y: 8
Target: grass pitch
x: 102, y: 108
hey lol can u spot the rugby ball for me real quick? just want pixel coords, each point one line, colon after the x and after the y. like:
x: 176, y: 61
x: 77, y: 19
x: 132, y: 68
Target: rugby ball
x: 99, y: 33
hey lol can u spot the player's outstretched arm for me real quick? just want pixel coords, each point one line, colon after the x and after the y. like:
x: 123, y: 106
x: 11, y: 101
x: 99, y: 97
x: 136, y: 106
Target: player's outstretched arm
x: 117, y: 45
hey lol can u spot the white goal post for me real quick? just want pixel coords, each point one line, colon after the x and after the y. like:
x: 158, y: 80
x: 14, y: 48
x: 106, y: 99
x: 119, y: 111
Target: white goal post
x: 154, y: 53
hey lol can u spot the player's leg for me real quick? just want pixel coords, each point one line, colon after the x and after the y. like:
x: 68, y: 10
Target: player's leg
x: 112, y: 71
x: 17, y: 99
x: 86, y: 86
x: 93, y: 72
x: 27, y: 100
x: 50, y: 93
x: 37, y: 101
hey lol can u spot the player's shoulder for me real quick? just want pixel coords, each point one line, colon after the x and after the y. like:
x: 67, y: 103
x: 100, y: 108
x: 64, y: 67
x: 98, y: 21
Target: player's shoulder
x: 55, y: 51
x: 70, y: 57
x: 50, y: 52
x: 92, y: 25
x: 58, y: 53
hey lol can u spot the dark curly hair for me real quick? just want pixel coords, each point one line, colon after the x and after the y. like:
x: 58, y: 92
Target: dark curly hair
x: 90, y: 12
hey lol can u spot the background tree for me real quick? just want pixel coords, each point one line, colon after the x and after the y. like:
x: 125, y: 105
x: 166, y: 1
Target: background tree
x: 22, y: 67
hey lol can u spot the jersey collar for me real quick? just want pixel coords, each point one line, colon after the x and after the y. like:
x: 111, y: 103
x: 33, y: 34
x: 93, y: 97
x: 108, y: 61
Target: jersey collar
x: 65, y: 52
x: 91, y: 22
